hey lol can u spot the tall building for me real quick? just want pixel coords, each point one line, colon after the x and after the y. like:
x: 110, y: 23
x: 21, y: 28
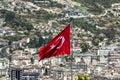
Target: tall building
x: 16, y: 74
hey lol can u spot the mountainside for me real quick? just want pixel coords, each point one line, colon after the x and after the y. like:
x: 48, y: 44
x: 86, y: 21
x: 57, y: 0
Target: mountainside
x: 96, y: 17
x: 96, y: 6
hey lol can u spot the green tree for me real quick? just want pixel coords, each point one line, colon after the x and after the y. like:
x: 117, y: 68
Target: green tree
x: 95, y: 41
x: 82, y: 77
x: 9, y: 58
x: 46, y: 71
x: 10, y: 50
x: 9, y: 16
x: 84, y: 46
x: 32, y: 60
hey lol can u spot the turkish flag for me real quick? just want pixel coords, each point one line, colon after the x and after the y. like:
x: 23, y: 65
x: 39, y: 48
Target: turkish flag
x: 60, y: 45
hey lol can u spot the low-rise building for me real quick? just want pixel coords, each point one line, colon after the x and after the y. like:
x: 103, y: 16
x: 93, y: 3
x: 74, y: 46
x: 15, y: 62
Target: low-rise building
x: 4, y: 42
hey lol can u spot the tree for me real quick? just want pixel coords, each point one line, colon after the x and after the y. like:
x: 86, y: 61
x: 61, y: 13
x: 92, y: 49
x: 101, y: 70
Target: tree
x: 46, y: 71
x: 10, y: 50
x: 10, y: 58
x: 95, y: 41
x: 84, y: 46
x: 32, y: 60
x: 9, y: 16
x: 82, y: 77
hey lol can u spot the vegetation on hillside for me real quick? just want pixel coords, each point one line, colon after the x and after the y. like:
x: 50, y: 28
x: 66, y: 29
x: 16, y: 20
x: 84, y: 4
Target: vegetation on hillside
x: 36, y: 42
x: 19, y: 22
x: 96, y: 6
x: 44, y: 16
x: 16, y: 21
x: 13, y: 38
x: 46, y: 3
x: 85, y: 24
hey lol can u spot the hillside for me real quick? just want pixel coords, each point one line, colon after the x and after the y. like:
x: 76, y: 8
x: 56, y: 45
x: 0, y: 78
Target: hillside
x: 96, y: 6
x: 97, y: 17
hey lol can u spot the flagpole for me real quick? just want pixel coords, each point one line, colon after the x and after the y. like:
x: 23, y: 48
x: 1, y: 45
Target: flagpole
x: 71, y: 45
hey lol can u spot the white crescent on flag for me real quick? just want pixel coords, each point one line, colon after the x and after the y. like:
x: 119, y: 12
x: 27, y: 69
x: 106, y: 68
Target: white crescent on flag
x: 61, y: 38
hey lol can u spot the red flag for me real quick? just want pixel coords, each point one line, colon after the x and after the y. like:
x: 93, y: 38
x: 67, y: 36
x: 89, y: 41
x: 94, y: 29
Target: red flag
x: 59, y: 45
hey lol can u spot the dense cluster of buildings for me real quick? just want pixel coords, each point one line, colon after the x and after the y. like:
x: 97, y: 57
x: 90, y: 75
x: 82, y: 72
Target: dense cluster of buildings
x: 24, y: 65
x: 20, y: 62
